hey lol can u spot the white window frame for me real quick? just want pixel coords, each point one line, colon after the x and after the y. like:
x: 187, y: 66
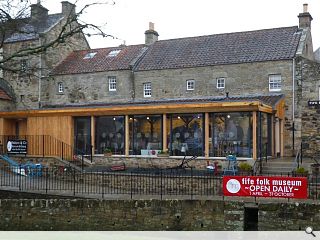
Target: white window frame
x: 221, y: 83
x: 275, y: 82
x: 112, y: 83
x: 60, y: 87
x: 190, y: 85
x: 147, y: 89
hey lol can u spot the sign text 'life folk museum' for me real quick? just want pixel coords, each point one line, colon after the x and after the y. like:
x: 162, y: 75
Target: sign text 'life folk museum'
x: 260, y: 186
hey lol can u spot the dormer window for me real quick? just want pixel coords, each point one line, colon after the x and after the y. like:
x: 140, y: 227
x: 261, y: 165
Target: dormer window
x: 113, y: 53
x: 90, y: 55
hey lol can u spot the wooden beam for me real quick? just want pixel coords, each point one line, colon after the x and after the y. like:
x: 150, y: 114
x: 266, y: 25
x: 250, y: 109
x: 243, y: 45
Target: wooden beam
x: 281, y: 137
x: 93, y: 134
x: 144, y: 109
x: 164, y: 132
x: 254, y: 135
x: 127, y: 146
x: 206, y: 135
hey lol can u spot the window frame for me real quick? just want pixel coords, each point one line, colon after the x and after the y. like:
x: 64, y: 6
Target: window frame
x: 147, y: 89
x: 191, y: 86
x: 274, y: 83
x: 60, y: 87
x: 219, y: 84
x: 112, y: 85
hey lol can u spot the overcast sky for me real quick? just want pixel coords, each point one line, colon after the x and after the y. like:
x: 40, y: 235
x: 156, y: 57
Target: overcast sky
x: 128, y: 19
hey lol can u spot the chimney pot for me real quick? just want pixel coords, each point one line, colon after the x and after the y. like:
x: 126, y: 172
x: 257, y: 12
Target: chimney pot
x: 151, y: 36
x: 151, y: 26
x: 305, y: 18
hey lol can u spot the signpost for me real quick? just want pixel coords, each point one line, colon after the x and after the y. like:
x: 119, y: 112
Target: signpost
x: 260, y: 186
x: 17, y: 147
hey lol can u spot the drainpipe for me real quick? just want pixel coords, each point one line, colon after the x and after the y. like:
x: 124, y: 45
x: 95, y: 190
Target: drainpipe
x: 293, y: 101
x: 39, y: 77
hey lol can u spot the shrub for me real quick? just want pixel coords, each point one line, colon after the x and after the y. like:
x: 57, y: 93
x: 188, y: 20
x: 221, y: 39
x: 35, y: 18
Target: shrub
x: 244, y: 166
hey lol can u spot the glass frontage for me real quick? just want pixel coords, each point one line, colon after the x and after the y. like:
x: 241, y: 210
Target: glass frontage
x: 264, y: 135
x: 110, y: 133
x: 82, y: 135
x: 145, y: 134
x: 230, y: 133
x: 186, y: 135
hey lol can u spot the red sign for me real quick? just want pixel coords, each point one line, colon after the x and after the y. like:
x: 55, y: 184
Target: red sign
x: 260, y: 186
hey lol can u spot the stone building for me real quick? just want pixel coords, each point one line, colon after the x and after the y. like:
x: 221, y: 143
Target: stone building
x: 208, y: 96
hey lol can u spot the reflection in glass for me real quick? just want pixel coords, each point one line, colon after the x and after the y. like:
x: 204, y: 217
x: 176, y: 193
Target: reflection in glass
x: 109, y: 134
x: 145, y: 134
x: 230, y: 133
x: 185, y: 137
x: 82, y: 135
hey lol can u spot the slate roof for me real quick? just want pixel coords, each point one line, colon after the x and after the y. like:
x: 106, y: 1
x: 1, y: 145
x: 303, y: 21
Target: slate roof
x: 270, y: 100
x: 218, y: 49
x: 28, y: 31
x: 229, y: 48
x: 76, y: 64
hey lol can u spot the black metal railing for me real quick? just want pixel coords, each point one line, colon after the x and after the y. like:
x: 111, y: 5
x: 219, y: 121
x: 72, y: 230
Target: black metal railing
x: 47, y: 146
x: 161, y: 182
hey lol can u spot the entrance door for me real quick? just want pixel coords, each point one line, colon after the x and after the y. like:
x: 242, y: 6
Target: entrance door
x: 82, y: 135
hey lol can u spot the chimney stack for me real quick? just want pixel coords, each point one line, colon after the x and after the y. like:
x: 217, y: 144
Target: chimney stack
x: 39, y: 14
x: 305, y: 18
x: 151, y: 36
x: 68, y: 8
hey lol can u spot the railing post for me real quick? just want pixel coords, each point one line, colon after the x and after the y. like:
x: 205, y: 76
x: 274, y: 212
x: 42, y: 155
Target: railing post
x: 266, y: 152
x: 102, y: 184
x: 74, y: 182
x: 191, y: 184
x: 47, y: 176
x: 131, y: 185
x: 161, y: 184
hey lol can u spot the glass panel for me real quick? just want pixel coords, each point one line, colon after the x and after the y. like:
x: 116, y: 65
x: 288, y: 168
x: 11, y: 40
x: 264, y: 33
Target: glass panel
x: 110, y: 133
x: 186, y: 135
x: 230, y: 133
x: 82, y: 135
x: 145, y: 133
x: 265, y: 123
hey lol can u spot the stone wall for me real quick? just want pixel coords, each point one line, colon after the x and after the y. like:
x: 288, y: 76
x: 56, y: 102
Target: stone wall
x: 308, y: 83
x: 195, y: 215
x: 89, y: 88
x: 6, y: 105
x: 26, y: 84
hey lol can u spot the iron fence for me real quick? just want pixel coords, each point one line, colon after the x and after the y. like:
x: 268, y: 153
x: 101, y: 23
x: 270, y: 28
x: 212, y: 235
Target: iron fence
x: 160, y: 183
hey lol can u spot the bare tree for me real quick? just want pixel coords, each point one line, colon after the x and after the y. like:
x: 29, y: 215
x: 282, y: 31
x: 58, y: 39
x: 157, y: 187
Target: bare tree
x: 15, y: 20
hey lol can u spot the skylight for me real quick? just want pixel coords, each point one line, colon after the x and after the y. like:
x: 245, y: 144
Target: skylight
x: 113, y: 53
x: 90, y: 55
